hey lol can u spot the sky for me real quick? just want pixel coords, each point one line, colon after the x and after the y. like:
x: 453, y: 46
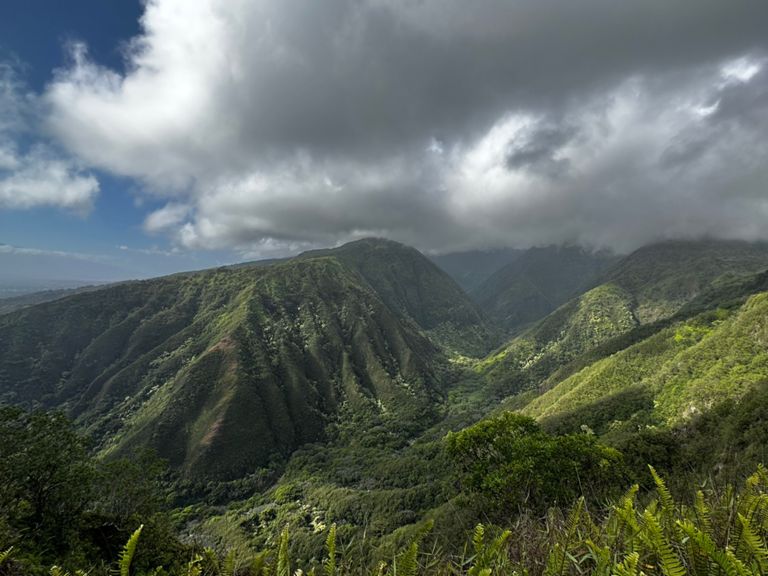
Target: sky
x: 144, y: 138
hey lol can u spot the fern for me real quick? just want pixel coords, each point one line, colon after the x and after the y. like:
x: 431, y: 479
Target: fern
x: 283, y: 560
x: 725, y: 560
x: 407, y: 563
x: 601, y: 556
x: 486, y: 555
x: 5, y: 555
x: 126, y: 555
x: 556, y: 561
x: 668, y: 560
x: 703, y: 513
x: 629, y: 566
x: 329, y: 566
x: 193, y: 566
x: 259, y: 564
x: 752, y: 545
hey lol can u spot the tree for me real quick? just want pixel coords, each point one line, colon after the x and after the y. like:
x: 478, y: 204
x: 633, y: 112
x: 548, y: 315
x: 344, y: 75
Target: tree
x: 513, y: 464
x: 47, y: 477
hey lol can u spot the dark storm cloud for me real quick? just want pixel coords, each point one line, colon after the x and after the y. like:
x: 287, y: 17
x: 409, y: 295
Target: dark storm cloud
x: 447, y: 124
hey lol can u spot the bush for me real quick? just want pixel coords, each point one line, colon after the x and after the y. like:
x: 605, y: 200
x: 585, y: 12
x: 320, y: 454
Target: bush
x: 511, y: 463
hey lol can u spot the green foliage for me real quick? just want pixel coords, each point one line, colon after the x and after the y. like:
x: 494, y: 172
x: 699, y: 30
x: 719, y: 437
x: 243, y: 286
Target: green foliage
x: 283, y: 558
x: 582, y: 324
x: 261, y: 358
x: 685, y: 369
x: 128, y: 551
x: 329, y: 566
x: 47, y: 477
x: 488, y: 556
x: 514, y: 465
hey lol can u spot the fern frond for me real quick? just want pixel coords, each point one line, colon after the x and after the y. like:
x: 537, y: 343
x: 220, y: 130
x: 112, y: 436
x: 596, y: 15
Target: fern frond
x: 259, y: 563
x: 329, y: 566
x: 193, y: 566
x: 752, y: 545
x: 5, y: 555
x: 726, y: 561
x: 229, y: 566
x: 601, y: 556
x: 703, y: 513
x: 478, y: 537
x: 407, y: 563
x: 126, y: 555
x: 629, y: 566
x: 669, y: 562
x: 556, y: 561
x: 283, y: 560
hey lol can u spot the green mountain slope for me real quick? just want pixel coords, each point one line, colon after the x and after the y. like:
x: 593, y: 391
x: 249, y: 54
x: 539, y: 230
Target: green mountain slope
x: 537, y: 282
x: 662, y: 278
x: 646, y: 287
x: 578, y: 326
x: 679, y: 372
x: 412, y: 286
x: 223, y: 371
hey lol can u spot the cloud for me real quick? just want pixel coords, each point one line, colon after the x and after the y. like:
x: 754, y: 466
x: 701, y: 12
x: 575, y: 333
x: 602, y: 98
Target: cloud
x: 38, y: 175
x: 268, y: 125
x: 23, y: 251
x: 169, y: 216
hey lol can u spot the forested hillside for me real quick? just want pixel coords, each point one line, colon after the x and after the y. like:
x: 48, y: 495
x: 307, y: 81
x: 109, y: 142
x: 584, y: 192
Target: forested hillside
x: 339, y: 410
x: 223, y: 371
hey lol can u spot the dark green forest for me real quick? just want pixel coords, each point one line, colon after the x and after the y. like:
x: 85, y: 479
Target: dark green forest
x: 355, y: 411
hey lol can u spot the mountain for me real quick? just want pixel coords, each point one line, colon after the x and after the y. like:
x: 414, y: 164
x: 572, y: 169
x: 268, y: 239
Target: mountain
x: 685, y: 369
x: 223, y: 371
x: 537, y: 282
x: 416, y: 288
x: 472, y: 268
x: 663, y: 277
x: 650, y: 285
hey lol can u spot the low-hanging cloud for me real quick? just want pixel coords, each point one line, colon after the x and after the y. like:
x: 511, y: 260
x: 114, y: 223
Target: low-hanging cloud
x: 269, y: 125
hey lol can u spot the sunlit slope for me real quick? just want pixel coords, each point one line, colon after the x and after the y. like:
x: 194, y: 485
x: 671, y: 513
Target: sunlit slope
x: 684, y: 369
x: 646, y: 287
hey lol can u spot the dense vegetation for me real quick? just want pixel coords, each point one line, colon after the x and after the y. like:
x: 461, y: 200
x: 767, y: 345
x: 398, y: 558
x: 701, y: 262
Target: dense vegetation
x: 230, y: 370
x: 338, y: 412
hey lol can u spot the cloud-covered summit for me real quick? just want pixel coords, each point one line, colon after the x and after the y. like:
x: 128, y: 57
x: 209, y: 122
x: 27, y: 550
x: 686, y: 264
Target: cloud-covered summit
x: 269, y: 125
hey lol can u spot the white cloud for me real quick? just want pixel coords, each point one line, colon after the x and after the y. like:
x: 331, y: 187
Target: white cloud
x: 39, y: 180
x: 37, y: 176
x: 24, y: 251
x: 266, y: 124
x: 167, y: 217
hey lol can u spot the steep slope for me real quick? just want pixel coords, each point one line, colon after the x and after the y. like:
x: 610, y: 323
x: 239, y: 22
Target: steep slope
x: 416, y: 288
x: 683, y: 370
x: 663, y: 277
x: 225, y: 370
x: 537, y: 282
x: 576, y: 327
x: 470, y: 269
x: 646, y: 287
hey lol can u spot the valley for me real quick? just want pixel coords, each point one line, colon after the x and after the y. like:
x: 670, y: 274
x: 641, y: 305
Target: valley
x: 339, y: 387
